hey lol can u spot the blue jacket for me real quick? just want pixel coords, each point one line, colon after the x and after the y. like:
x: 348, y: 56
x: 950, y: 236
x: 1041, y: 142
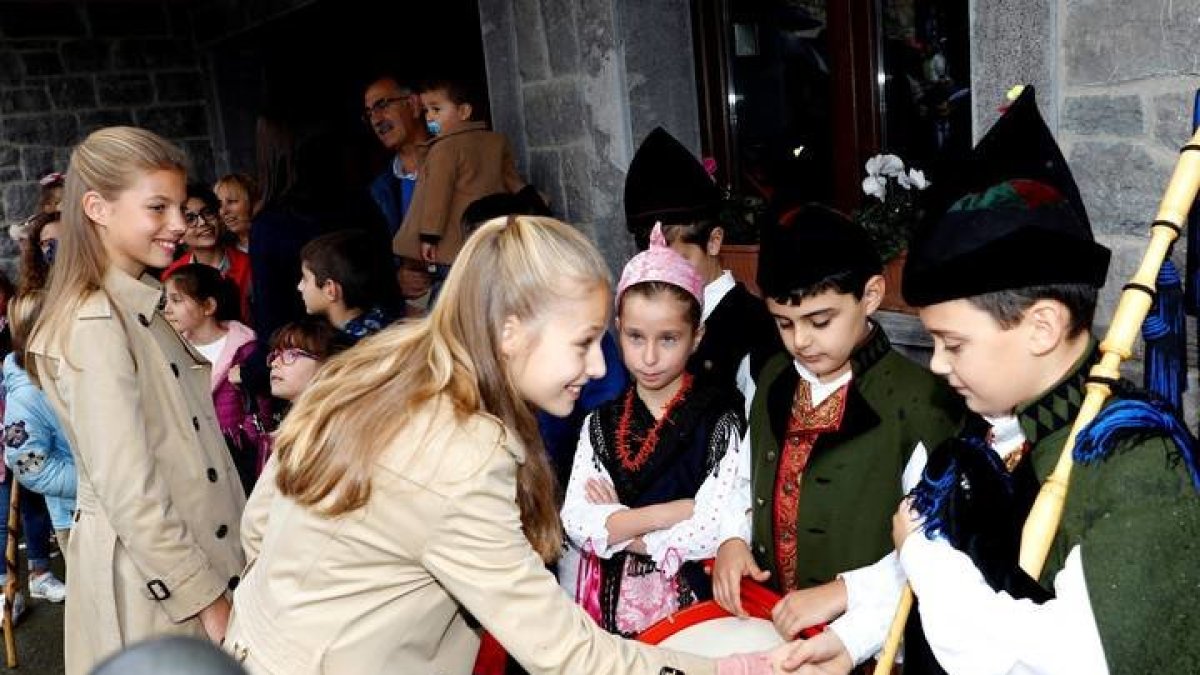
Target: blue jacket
x: 35, y: 445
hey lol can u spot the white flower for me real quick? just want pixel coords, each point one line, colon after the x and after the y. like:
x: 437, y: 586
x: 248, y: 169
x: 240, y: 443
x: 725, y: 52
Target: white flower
x: 886, y: 165
x: 875, y: 186
x: 917, y: 179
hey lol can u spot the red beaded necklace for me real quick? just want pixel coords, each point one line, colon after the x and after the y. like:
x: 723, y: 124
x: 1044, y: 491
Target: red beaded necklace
x: 636, y: 462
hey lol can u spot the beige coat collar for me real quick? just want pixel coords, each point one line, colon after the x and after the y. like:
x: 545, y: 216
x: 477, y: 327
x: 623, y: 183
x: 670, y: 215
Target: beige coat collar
x: 142, y: 297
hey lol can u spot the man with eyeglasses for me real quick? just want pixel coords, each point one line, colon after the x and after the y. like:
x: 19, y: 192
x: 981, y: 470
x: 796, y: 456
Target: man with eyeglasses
x: 393, y: 112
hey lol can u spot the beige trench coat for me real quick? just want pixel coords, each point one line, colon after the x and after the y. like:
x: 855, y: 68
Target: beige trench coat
x: 392, y: 588
x: 156, y: 535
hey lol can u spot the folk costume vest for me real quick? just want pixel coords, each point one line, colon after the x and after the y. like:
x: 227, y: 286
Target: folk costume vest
x: 826, y: 490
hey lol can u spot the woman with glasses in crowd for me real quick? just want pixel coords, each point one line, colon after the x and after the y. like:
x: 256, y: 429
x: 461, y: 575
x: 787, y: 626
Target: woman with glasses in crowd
x: 208, y: 243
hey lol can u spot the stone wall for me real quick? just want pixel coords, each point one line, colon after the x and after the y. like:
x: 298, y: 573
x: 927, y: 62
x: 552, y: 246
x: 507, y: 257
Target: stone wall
x: 1115, y: 81
x: 67, y: 69
x: 576, y: 86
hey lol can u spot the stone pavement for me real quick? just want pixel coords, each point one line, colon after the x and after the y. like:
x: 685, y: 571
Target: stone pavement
x: 40, y: 633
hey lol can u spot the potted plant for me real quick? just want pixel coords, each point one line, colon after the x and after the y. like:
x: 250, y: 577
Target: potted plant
x: 890, y: 210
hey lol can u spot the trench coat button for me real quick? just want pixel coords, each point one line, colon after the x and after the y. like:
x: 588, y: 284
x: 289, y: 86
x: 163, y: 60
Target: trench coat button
x: 770, y: 455
x: 212, y: 475
x: 175, y: 369
x: 222, y: 531
x: 234, y: 581
x: 196, y: 423
x: 144, y: 320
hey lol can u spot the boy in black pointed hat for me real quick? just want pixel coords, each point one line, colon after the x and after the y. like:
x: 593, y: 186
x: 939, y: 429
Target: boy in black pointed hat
x: 1006, y: 282
x: 834, y: 422
x: 666, y: 184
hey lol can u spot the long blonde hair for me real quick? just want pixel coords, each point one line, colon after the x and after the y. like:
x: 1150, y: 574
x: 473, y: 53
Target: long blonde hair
x: 364, y: 397
x: 109, y: 161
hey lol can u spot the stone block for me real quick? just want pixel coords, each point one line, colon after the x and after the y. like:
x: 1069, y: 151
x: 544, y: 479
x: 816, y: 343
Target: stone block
x: 11, y: 69
x: 42, y: 63
x: 49, y: 129
x: 87, y: 56
x: 9, y: 174
x: 127, y: 19
x: 562, y: 41
x: 596, y: 24
x: 92, y: 120
x: 126, y: 89
x: 1012, y: 42
x: 9, y: 156
x: 37, y: 161
x: 545, y: 174
x: 20, y: 200
x: 577, y: 194
x: 201, y: 167
x: 70, y: 93
x: 497, y: 27
x: 177, y: 121
x: 31, y: 19
x: 153, y: 54
x: 1173, y: 118
x: 1117, y: 115
x: 660, y: 71
x: 1121, y: 184
x: 1108, y: 41
x: 184, y: 85
x: 531, y: 45
x: 25, y: 100
x: 554, y: 112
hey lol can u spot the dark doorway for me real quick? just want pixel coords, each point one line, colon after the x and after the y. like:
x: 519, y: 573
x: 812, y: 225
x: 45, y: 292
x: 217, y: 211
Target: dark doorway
x: 311, y: 64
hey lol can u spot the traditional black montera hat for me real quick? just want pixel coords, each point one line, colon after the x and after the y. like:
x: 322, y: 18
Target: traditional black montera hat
x: 667, y: 183
x: 1018, y: 222
x: 807, y: 246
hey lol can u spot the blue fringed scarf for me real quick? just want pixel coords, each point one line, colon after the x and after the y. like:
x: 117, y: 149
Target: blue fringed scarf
x: 1133, y: 418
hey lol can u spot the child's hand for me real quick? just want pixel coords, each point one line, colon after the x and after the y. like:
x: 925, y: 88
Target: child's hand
x: 822, y: 654
x: 734, y: 561
x: 599, y: 491
x: 235, y: 375
x: 429, y: 252
x: 905, y: 522
x: 808, y: 607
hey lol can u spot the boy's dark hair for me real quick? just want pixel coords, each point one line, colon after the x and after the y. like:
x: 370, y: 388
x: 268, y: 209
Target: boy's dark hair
x: 458, y: 91
x: 853, y: 282
x: 346, y: 257
x: 201, y: 282
x: 526, y: 202
x: 314, y: 335
x: 696, y: 232
x: 1008, y: 307
x: 650, y: 289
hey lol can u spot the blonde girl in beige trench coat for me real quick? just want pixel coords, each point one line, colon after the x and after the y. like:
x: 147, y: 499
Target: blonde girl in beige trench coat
x: 410, y: 502
x: 155, y: 546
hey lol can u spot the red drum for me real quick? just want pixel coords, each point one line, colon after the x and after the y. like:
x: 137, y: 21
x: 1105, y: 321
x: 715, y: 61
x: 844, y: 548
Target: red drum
x: 705, y: 629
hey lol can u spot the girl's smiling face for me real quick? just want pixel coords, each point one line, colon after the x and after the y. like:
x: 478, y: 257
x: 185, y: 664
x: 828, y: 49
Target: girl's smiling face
x: 141, y: 227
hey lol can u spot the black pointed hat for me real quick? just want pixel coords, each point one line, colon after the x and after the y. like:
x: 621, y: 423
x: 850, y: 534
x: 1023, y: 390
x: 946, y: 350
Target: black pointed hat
x: 666, y: 183
x: 808, y: 245
x: 1017, y: 220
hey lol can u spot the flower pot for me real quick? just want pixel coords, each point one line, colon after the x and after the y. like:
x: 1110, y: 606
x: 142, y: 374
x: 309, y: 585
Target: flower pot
x: 893, y: 272
x: 742, y: 261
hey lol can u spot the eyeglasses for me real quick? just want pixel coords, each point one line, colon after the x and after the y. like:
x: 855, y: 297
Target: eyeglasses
x: 381, y: 105
x: 289, y: 356
x: 192, y: 218
x: 49, y: 248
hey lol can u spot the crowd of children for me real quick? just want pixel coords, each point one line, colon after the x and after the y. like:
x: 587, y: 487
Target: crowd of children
x: 391, y: 492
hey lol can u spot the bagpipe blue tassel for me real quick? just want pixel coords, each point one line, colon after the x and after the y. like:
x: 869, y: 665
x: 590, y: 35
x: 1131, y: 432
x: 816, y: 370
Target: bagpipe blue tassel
x: 1165, y: 333
x: 932, y: 496
x: 1135, y: 418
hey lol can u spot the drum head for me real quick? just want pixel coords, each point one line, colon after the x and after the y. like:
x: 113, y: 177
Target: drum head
x: 705, y: 629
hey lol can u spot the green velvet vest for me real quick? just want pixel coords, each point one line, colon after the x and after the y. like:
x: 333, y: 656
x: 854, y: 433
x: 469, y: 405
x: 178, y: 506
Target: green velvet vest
x: 852, y: 483
x: 1136, y: 517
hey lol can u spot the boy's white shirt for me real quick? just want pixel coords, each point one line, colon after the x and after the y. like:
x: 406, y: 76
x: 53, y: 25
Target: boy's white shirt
x: 696, y: 538
x: 971, y: 628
